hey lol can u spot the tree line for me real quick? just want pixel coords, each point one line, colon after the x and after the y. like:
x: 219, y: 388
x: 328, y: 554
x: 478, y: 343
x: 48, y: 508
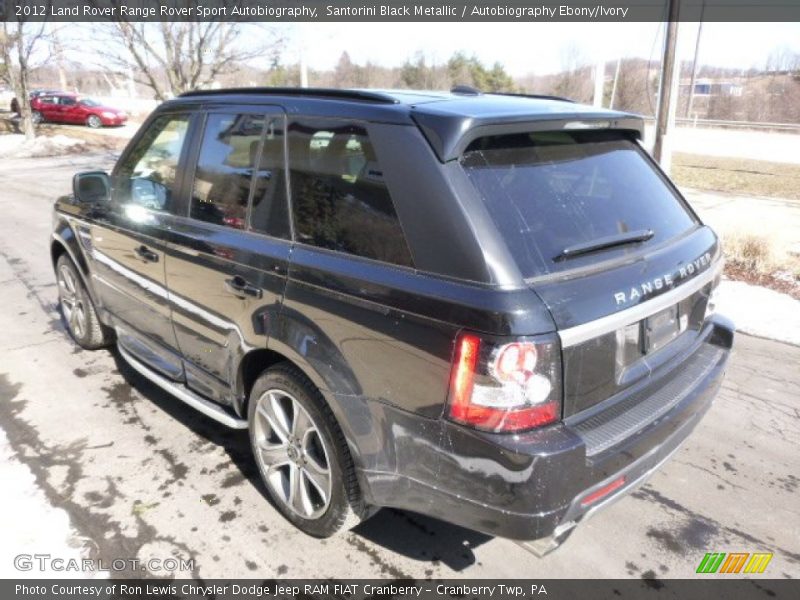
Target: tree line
x: 162, y: 60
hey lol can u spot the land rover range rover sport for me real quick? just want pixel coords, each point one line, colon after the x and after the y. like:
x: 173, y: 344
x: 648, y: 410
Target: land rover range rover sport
x: 495, y: 310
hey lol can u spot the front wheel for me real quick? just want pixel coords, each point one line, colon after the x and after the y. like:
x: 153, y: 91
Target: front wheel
x: 94, y: 122
x: 37, y: 117
x: 302, y: 454
x: 79, y: 313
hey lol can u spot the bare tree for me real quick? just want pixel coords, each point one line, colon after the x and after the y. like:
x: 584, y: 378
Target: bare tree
x: 172, y: 58
x: 19, y: 43
x: 632, y: 86
x: 574, y: 80
x: 344, y: 74
x: 783, y: 59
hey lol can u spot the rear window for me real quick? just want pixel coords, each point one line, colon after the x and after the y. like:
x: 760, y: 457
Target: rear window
x: 552, y: 191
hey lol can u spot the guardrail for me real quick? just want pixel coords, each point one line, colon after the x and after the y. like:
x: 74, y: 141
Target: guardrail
x: 787, y: 127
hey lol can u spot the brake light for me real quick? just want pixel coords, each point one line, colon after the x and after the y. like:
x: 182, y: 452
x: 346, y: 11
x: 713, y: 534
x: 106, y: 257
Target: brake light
x: 505, y: 387
x: 464, y: 374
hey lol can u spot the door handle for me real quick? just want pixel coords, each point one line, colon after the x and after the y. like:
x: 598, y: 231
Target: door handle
x: 239, y: 287
x: 146, y: 254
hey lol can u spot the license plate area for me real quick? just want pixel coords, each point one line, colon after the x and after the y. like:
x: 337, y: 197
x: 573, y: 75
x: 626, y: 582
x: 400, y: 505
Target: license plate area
x: 661, y: 328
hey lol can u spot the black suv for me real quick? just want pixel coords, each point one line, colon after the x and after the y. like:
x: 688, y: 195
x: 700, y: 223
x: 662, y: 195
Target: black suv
x: 491, y: 309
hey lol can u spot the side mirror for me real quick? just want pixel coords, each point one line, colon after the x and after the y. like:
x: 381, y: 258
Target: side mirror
x: 91, y: 187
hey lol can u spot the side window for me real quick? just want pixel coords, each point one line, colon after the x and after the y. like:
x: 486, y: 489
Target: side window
x: 146, y: 178
x: 339, y: 198
x: 270, y: 209
x: 225, y: 167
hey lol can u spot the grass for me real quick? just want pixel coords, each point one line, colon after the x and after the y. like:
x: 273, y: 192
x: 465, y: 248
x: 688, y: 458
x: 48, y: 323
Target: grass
x: 737, y: 175
x: 750, y: 251
x: 754, y: 258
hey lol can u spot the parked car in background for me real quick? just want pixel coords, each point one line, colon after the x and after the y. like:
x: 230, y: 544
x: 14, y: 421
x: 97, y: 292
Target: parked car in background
x: 65, y: 107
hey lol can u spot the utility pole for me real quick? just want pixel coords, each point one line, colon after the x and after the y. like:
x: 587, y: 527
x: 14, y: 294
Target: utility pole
x: 303, y: 62
x: 614, y: 86
x: 665, y: 114
x: 599, y: 82
x: 694, y: 61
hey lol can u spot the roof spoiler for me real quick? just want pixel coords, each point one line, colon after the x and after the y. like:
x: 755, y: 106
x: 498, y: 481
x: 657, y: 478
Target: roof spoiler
x: 449, y: 136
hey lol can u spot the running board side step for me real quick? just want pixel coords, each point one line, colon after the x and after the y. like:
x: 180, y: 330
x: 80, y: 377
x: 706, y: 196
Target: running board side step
x: 208, y: 408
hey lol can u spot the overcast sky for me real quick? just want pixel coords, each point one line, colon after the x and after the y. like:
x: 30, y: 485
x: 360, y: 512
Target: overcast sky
x: 537, y: 47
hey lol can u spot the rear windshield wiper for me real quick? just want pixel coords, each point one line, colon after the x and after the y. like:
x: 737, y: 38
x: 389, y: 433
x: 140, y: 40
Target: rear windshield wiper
x: 609, y: 241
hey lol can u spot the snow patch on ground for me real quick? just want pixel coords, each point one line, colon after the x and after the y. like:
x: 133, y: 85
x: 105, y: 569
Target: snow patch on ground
x: 30, y: 525
x: 16, y: 146
x: 760, y: 311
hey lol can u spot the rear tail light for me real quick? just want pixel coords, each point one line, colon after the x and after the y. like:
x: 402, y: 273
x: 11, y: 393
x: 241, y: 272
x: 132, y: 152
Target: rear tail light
x: 505, y: 387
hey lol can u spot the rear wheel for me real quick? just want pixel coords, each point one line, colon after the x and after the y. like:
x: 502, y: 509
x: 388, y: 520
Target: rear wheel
x: 79, y: 313
x: 302, y: 454
x: 37, y: 117
x: 94, y: 122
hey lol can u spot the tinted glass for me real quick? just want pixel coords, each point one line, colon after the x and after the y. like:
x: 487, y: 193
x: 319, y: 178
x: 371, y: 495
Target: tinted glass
x: 339, y: 198
x: 548, y: 191
x: 146, y: 178
x: 225, y: 168
x: 269, y: 212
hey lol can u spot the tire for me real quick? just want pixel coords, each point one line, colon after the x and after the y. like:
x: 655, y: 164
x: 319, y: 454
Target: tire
x: 77, y: 308
x: 37, y: 117
x: 94, y: 122
x: 293, y: 435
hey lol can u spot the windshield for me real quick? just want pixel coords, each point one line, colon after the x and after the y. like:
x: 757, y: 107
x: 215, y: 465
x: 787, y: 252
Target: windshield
x: 552, y: 192
x: 89, y: 102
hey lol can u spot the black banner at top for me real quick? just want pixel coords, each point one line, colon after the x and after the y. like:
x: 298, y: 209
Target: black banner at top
x: 396, y: 10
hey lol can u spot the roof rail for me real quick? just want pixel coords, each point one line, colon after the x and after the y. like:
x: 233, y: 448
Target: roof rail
x: 535, y: 96
x: 331, y: 93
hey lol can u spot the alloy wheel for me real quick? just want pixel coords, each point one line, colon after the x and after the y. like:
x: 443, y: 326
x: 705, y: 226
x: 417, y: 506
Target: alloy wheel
x: 292, y: 454
x: 94, y: 122
x: 71, y: 302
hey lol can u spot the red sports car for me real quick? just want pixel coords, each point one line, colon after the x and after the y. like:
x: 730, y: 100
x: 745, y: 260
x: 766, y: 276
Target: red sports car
x: 70, y: 108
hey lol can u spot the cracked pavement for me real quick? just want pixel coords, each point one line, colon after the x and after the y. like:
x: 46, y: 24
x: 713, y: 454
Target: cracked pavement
x: 141, y: 475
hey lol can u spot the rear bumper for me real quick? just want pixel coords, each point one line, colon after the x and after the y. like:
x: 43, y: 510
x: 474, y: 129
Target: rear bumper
x: 534, y: 485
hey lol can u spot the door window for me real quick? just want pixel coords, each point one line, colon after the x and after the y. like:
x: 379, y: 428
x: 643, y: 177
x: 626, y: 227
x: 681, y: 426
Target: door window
x: 225, y: 166
x: 339, y: 198
x: 146, y: 177
x: 270, y: 208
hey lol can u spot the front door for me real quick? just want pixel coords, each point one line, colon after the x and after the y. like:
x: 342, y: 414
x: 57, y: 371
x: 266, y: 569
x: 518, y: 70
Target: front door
x: 227, y: 263
x: 129, y: 241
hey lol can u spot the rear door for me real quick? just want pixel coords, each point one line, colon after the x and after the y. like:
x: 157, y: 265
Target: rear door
x: 70, y: 111
x: 227, y: 263
x: 129, y: 239
x: 48, y: 106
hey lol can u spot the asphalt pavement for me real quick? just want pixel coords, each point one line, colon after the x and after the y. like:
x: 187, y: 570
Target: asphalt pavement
x: 139, y: 474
